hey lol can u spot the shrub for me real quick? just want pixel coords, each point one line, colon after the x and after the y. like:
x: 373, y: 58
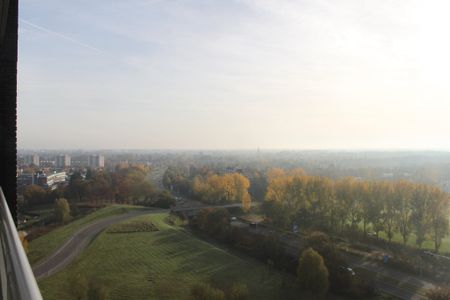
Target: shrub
x: 238, y: 291
x: 203, y: 291
x: 97, y: 292
x: 440, y: 293
x: 79, y: 287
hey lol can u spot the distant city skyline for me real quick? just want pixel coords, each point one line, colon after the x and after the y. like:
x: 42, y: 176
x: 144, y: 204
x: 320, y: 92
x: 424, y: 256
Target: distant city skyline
x: 244, y: 74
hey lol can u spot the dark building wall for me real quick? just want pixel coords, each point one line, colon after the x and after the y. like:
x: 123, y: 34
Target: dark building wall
x: 8, y: 104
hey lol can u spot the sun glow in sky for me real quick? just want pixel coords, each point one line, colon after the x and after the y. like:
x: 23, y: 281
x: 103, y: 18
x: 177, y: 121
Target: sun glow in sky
x: 187, y: 74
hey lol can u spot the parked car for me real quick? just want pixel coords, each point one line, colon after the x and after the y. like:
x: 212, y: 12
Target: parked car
x: 347, y: 270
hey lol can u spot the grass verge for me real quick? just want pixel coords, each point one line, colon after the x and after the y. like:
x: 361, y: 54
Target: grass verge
x: 45, y: 245
x: 164, y: 264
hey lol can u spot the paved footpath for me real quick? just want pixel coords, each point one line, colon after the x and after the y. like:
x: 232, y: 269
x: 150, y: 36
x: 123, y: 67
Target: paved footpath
x: 78, y: 242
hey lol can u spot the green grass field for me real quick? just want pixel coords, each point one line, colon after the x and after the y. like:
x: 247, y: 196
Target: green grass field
x: 48, y: 243
x: 428, y: 244
x: 163, y: 265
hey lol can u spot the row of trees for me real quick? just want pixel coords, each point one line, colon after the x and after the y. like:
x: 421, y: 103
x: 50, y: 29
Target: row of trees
x: 180, y: 178
x: 392, y: 207
x: 227, y: 188
x: 126, y: 184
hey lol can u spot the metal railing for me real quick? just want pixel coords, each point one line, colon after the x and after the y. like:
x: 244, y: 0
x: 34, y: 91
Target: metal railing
x: 16, y: 278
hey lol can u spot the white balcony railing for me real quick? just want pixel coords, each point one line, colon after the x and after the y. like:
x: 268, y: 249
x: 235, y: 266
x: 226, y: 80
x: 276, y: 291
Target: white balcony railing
x: 16, y: 278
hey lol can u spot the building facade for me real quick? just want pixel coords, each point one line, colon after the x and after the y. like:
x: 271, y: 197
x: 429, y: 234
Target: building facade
x: 31, y: 160
x: 96, y: 161
x: 62, y: 161
x: 50, y: 181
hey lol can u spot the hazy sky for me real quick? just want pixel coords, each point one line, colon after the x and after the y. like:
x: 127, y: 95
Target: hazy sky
x: 234, y: 74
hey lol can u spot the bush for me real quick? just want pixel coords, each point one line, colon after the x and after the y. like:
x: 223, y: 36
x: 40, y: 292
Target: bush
x: 214, y: 222
x: 97, y: 292
x: 203, y: 291
x: 79, y: 287
x: 441, y: 293
x: 238, y: 291
x: 133, y: 226
x: 161, y: 200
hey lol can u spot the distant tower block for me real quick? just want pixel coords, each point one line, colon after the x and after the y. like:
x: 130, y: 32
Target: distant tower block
x: 32, y: 160
x: 62, y: 161
x: 96, y: 161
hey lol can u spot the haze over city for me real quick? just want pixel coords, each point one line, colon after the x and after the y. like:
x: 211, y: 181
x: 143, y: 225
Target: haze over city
x: 233, y: 74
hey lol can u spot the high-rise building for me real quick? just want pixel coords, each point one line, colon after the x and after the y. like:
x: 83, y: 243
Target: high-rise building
x: 31, y: 160
x: 96, y: 161
x: 62, y: 161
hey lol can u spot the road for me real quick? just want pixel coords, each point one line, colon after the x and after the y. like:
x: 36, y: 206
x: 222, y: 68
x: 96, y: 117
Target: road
x: 393, y: 282
x: 78, y: 242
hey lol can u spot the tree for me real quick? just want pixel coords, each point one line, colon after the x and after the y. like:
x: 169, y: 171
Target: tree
x: 312, y: 274
x: 62, y: 211
x: 403, y: 208
x: 373, y: 209
x: 356, y: 192
x: 343, y: 196
x: 332, y: 258
x: 438, y: 210
x: 162, y: 199
x: 241, y: 185
x: 419, y: 218
x: 215, y: 222
x: 389, y: 214
x: 34, y: 194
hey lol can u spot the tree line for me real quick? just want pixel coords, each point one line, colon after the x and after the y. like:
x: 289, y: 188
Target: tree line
x: 218, y: 189
x: 205, y: 185
x: 127, y: 184
x: 391, y: 207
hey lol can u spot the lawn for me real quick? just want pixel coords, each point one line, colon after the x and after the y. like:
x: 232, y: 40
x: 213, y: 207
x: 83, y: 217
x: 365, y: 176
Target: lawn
x: 428, y: 244
x: 164, y: 264
x: 45, y: 245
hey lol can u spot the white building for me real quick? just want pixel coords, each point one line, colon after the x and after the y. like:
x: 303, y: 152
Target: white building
x: 62, y: 161
x: 96, y: 161
x: 31, y: 160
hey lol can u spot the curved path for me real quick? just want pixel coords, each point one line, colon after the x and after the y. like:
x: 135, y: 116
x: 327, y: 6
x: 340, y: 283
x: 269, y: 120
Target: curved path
x: 78, y: 242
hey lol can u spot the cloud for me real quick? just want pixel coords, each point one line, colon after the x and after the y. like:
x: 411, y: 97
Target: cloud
x: 62, y: 36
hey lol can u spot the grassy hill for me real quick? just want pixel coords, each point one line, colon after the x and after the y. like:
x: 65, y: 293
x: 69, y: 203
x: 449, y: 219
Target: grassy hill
x: 48, y: 243
x: 164, y: 264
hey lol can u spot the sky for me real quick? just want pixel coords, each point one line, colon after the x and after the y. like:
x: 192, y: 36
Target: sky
x: 242, y: 74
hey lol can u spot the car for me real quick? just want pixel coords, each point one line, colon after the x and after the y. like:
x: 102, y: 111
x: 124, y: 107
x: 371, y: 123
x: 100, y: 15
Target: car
x: 233, y: 218
x: 347, y: 270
